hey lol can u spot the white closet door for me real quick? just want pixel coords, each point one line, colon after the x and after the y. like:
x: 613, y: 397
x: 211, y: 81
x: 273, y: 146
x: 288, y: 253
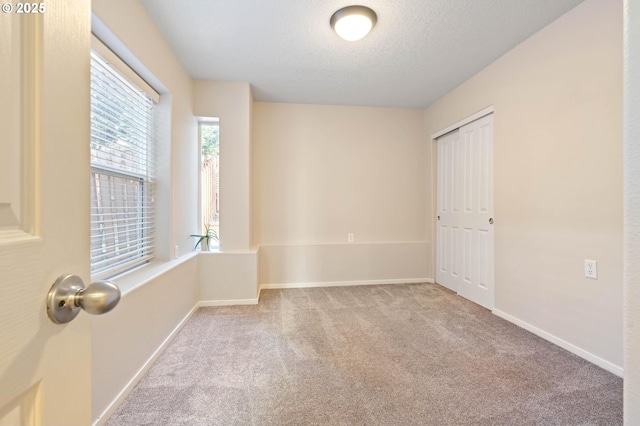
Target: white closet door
x: 448, y: 233
x: 464, y: 253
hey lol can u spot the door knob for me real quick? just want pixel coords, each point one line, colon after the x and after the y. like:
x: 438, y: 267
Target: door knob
x: 68, y: 295
x: 490, y: 221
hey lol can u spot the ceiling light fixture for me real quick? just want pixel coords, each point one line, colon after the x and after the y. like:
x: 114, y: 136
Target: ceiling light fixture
x: 353, y: 22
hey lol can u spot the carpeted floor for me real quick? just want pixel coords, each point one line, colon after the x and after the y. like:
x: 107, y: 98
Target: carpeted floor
x: 371, y: 355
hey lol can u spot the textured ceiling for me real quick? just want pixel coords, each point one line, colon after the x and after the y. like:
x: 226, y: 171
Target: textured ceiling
x: 418, y: 51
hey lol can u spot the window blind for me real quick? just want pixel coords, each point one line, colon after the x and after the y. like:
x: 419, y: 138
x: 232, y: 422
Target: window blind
x: 122, y: 166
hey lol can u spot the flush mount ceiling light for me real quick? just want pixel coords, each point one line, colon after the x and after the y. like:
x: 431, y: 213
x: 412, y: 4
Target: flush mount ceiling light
x: 353, y: 22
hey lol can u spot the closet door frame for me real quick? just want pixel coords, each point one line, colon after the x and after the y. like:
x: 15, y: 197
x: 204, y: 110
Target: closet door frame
x: 488, y: 299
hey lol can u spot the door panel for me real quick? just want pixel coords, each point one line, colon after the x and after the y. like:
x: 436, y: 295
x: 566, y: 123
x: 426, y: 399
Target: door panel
x: 467, y: 256
x: 444, y: 249
x: 464, y: 250
x: 483, y: 259
x: 455, y: 248
x: 44, y: 64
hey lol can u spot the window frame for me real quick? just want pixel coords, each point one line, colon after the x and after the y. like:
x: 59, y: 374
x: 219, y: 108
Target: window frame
x: 145, y: 221
x: 210, y: 121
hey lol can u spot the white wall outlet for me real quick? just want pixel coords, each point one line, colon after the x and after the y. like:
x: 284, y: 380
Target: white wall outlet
x: 591, y: 269
x: 350, y: 238
x: 176, y: 252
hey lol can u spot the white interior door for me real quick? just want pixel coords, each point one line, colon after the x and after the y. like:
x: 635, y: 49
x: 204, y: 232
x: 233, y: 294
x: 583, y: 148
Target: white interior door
x: 464, y: 252
x: 44, y: 211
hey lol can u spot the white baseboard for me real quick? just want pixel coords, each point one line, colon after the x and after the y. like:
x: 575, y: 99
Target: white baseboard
x: 231, y: 302
x: 346, y: 283
x: 104, y: 417
x: 617, y: 370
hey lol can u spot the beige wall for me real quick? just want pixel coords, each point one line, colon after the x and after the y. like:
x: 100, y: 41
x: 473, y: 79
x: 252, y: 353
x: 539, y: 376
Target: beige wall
x: 228, y: 278
x: 632, y: 213
x: 558, y: 176
x: 321, y: 172
x: 291, y: 265
x: 231, y: 102
x: 231, y: 275
x: 124, y: 339
x: 128, y: 337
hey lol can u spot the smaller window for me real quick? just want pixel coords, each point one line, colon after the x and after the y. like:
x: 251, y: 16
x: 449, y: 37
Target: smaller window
x: 210, y: 177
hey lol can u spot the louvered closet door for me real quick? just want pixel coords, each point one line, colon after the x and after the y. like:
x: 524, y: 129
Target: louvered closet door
x: 465, y: 207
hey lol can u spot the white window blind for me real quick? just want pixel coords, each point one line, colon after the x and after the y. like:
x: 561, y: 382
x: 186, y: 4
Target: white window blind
x: 122, y: 166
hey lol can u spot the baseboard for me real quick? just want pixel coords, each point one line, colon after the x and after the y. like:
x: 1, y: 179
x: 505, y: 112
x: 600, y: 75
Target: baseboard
x: 104, y: 417
x: 594, y: 359
x: 231, y: 302
x: 346, y: 283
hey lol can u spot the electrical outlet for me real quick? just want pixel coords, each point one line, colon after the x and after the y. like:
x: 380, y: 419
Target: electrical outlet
x: 591, y: 269
x: 350, y: 238
x: 176, y: 252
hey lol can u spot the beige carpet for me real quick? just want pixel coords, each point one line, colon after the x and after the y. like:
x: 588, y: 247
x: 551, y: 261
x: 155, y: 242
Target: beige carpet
x: 411, y: 354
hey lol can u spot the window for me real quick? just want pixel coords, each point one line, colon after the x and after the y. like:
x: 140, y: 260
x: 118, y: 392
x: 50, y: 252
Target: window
x: 210, y: 176
x: 122, y: 167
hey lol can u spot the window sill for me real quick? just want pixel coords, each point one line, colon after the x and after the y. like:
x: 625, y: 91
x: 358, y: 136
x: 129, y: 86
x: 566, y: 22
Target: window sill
x: 138, y: 277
